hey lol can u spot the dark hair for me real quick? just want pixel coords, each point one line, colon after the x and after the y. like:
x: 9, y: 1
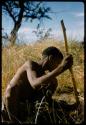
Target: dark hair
x: 55, y: 52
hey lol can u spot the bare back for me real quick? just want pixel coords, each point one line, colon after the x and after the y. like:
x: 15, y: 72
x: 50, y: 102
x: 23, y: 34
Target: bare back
x: 21, y: 85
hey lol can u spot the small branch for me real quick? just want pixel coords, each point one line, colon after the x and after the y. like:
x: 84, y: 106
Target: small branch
x: 9, y: 11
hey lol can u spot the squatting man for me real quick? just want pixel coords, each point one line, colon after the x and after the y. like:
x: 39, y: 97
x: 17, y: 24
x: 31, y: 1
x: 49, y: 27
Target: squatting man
x: 31, y: 80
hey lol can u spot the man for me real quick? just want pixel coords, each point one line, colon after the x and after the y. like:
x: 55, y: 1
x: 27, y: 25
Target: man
x: 31, y: 81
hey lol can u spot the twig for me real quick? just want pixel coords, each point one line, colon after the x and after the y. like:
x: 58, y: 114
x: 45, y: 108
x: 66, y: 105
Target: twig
x: 39, y: 109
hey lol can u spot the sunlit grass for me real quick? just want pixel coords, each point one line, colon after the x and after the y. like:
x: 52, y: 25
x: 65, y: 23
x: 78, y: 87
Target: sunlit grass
x: 14, y: 57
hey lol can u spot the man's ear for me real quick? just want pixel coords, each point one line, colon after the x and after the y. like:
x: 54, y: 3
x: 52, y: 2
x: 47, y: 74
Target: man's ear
x: 50, y: 57
x: 46, y: 59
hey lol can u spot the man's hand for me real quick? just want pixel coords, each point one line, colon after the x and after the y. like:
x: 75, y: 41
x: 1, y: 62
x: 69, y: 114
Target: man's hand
x: 67, y: 62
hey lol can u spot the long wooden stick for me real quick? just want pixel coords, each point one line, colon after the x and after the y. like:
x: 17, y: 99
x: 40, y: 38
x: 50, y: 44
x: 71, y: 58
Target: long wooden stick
x: 71, y: 70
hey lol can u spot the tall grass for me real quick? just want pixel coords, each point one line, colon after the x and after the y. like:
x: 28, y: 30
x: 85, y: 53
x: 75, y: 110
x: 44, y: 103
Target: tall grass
x: 13, y: 57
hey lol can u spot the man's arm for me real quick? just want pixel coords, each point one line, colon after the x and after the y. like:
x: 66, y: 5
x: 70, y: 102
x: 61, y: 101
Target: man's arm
x: 11, y: 103
x: 37, y: 81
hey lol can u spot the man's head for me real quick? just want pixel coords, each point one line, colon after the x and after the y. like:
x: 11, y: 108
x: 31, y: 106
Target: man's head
x: 52, y: 58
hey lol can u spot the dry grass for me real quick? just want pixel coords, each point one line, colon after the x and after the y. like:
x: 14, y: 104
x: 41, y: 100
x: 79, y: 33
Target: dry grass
x: 14, y: 57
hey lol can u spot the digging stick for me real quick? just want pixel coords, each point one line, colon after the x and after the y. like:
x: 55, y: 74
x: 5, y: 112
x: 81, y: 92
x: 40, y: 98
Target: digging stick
x: 71, y: 70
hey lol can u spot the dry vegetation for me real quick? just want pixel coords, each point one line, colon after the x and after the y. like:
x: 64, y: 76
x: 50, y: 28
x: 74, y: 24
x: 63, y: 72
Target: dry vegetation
x: 14, y: 57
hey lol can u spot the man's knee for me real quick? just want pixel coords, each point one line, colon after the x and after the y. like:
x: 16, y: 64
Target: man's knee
x: 4, y: 114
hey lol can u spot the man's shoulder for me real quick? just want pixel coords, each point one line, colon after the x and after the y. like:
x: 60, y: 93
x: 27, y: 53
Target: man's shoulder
x: 30, y: 63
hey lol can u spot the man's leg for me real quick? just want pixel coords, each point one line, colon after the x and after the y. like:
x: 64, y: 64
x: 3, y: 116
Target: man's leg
x: 4, y: 114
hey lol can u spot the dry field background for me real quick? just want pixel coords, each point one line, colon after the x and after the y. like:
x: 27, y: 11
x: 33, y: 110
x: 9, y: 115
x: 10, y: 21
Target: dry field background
x: 13, y: 57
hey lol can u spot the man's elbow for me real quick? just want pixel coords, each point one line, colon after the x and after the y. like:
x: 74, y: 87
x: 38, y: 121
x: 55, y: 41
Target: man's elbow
x: 36, y: 84
x: 10, y: 92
